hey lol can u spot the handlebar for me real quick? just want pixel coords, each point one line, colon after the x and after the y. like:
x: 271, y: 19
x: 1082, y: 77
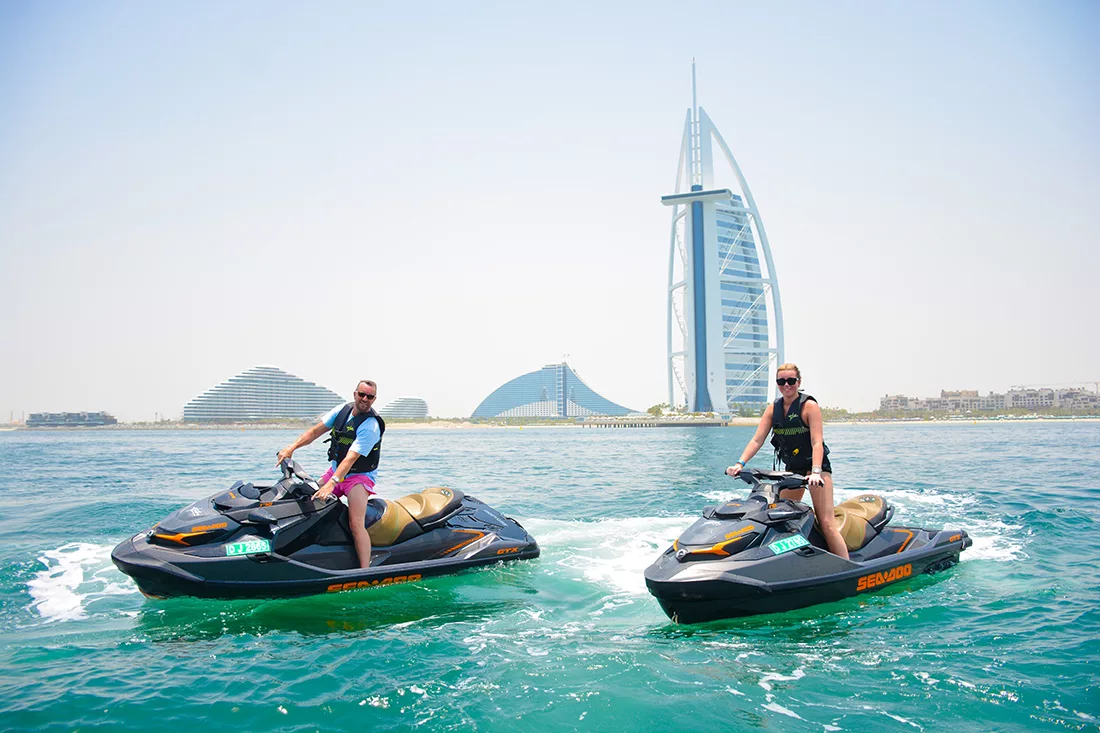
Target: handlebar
x: 782, y: 479
x: 291, y: 469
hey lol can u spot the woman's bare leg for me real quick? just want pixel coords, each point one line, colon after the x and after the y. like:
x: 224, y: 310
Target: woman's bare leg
x: 823, y: 508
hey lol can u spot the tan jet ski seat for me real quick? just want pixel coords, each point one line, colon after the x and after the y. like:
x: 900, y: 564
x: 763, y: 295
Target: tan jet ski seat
x: 856, y: 519
x: 411, y: 515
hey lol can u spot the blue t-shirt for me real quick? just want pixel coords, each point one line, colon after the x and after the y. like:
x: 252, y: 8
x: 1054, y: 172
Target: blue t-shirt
x: 366, y: 436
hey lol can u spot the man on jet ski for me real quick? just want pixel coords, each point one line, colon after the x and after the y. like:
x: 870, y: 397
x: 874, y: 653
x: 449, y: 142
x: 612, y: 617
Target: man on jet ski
x: 355, y: 444
x: 795, y: 422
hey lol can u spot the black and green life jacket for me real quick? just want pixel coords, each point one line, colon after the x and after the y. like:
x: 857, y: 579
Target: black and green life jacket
x: 790, y: 435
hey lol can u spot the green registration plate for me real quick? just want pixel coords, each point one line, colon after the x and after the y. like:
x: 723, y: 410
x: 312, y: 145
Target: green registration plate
x: 248, y: 548
x: 787, y: 544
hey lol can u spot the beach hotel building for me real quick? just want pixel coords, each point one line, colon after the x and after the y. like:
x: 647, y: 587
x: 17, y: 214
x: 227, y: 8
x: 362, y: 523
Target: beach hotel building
x: 553, y: 391
x: 725, y: 325
x: 261, y: 393
x: 405, y: 407
x: 1021, y: 398
x: 70, y: 419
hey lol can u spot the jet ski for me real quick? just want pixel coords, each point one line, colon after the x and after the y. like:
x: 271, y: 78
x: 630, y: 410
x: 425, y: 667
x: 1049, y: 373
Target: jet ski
x: 275, y: 541
x: 765, y: 554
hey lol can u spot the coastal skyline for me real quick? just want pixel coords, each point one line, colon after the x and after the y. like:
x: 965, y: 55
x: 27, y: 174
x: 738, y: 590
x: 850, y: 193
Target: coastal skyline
x: 188, y: 192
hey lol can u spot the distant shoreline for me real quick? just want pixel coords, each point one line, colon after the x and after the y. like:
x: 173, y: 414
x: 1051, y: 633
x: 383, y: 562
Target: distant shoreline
x: 433, y: 425
x: 467, y: 425
x: 967, y: 421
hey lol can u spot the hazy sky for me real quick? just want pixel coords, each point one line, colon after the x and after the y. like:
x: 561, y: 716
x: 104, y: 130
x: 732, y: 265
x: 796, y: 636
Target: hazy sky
x: 443, y: 196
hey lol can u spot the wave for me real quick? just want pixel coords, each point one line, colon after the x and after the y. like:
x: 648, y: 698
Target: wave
x: 612, y: 553
x: 76, y: 574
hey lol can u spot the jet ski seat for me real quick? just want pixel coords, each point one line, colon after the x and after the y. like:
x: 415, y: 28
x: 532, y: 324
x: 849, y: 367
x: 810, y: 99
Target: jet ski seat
x: 860, y: 519
x: 390, y: 522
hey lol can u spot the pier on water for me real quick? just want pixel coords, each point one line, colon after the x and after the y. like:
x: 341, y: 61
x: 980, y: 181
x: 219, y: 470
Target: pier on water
x: 654, y: 422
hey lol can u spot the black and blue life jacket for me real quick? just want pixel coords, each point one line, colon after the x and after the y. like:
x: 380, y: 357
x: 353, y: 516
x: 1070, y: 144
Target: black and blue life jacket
x: 342, y: 436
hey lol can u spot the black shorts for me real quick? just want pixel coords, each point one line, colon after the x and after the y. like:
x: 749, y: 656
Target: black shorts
x: 804, y: 467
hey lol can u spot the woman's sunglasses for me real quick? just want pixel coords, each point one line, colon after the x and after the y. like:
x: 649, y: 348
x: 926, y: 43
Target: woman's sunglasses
x: 791, y: 381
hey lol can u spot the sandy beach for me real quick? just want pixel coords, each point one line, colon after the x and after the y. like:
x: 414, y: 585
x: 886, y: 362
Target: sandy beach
x: 458, y: 424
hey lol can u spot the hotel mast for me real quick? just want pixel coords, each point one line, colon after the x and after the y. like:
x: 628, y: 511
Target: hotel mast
x: 725, y: 324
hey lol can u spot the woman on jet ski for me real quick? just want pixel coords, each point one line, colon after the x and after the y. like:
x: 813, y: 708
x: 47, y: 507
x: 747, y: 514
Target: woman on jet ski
x: 794, y: 420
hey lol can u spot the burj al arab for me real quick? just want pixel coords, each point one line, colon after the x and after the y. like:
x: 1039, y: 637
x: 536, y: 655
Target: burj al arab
x: 725, y: 323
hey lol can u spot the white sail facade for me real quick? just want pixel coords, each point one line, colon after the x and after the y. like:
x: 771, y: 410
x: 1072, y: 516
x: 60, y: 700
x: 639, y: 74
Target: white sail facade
x: 725, y: 323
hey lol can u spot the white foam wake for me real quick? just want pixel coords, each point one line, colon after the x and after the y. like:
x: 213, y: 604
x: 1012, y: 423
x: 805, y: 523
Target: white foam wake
x: 76, y: 574
x: 612, y: 553
x: 994, y: 540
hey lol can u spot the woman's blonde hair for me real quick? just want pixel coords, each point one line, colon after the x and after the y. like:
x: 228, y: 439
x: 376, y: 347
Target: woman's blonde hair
x: 789, y: 367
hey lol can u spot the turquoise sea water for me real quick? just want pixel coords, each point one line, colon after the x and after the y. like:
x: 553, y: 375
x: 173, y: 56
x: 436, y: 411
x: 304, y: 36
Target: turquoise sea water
x: 1007, y: 640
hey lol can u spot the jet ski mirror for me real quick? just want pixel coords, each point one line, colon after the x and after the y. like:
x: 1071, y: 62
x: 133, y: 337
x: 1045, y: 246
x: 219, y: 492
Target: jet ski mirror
x: 785, y: 514
x: 292, y: 468
x: 261, y: 516
x: 289, y: 467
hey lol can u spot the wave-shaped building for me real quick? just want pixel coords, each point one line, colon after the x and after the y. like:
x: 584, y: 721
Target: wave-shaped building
x: 553, y: 391
x: 725, y: 323
x: 405, y: 407
x: 261, y: 393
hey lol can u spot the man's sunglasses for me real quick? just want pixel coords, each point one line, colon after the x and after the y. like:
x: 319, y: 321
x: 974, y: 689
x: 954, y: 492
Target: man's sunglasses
x: 792, y: 381
x: 365, y: 395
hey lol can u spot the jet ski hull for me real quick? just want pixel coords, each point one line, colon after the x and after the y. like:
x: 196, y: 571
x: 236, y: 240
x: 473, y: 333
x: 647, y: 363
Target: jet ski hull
x: 261, y: 542
x: 707, y: 591
x: 158, y: 574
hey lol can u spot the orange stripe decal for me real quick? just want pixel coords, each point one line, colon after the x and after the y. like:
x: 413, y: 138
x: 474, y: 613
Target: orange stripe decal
x: 460, y: 545
x: 719, y: 548
x: 907, y: 539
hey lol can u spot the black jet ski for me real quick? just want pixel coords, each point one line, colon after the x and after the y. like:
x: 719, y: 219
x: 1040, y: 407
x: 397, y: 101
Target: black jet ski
x: 273, y: 541
x: 764, y: 554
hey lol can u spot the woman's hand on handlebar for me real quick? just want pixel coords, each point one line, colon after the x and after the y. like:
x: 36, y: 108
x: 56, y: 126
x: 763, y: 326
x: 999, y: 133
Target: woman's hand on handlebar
x: 733, y: 470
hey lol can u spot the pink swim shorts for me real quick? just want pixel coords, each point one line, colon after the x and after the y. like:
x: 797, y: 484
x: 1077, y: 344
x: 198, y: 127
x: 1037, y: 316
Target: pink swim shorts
x: 352, y: 479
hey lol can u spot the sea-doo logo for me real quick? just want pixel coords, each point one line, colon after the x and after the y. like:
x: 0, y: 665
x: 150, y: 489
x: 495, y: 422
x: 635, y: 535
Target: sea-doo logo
x: 875, y: 579
x: 335, y: 587
x: 738, y: 532
x: 208, y: 527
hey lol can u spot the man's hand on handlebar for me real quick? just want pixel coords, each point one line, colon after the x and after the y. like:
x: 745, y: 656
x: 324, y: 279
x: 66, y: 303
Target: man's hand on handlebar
x: 284, y: 455
x: 325, y: 491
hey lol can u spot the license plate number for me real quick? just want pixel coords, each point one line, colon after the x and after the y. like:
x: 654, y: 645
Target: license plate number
x: 248, y: 548
x: 788, y: 543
